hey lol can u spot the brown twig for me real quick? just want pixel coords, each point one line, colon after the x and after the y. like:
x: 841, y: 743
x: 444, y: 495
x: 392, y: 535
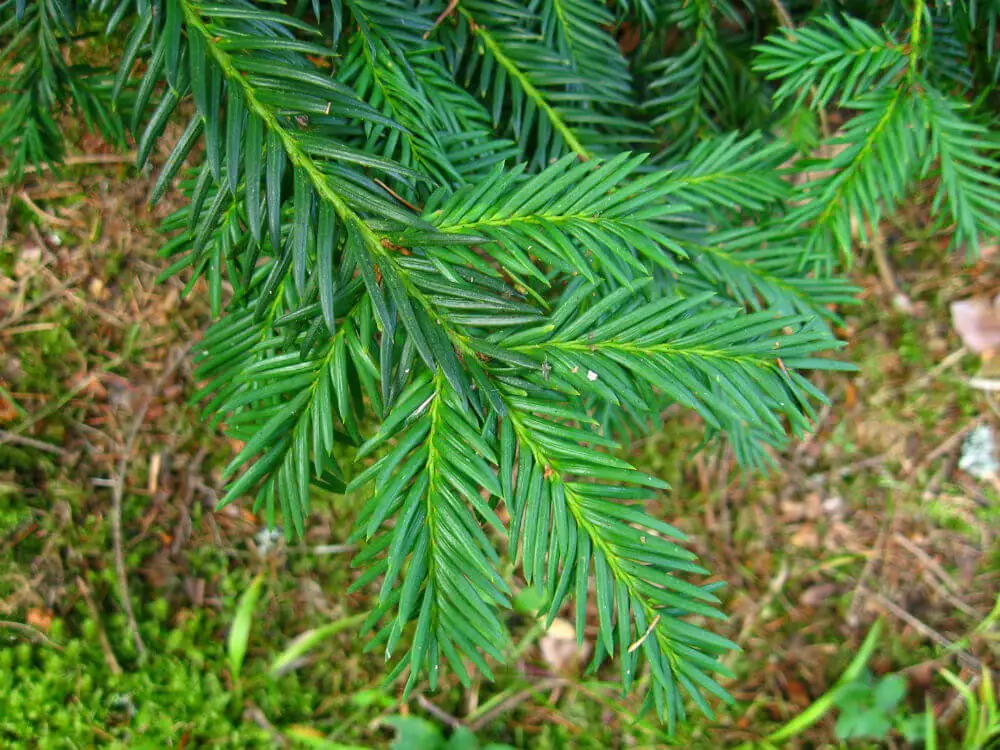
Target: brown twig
x: 75, y: 161
x: 45, y: 298
x: 395, y: 195
x: 515, y: 700
x: 967, y: 659
x: 102, y: 637
x: 41, y: 213
x: 27, y: 442
x: 945, y: 446
x: 449, y: 9
x: 948, y: 362
x: 34, y: 419
x: 956, y: 703
x: 69, y: 294
x: 326, y: 549
x: 784, y: 17
x: 950, y: 588
x: 253, y: 712
x: 774, y: 589
x: 644, y: 636
x: 438, y: 713
x: 6, y: 198
x: 117, y: 495
x: 899, y: 299
x: 33, y: 633
x: 878, y: 556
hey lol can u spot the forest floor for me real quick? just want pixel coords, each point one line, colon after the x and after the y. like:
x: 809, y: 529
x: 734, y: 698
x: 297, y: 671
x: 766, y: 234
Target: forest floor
x: 870, y: 519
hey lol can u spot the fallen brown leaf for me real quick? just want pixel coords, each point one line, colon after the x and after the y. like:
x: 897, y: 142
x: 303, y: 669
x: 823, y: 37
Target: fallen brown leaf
x: 39, y: 618
x: 559, y: 648
x: 977, y: 323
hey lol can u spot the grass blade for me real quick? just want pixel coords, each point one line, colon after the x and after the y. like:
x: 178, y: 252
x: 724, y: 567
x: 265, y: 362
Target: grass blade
x: 239, y: 633
x: 310, y: 639
x: 825, y: 702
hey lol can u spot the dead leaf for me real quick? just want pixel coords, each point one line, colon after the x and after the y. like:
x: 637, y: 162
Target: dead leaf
x: 986, y: 252
x: 153, y: 481
x: 809, y: 507
x: 851, y: 397
x: 814, y: 596
x: 97, y: 290
x: 977, y: 323
x: 27, y: 262
x: 797, y: 693
x: 39, y: 618
x: 559, y: 648
x: 806, y: 537
x: 7, y: 411
x: 629, y: 37
x: 88, y: 384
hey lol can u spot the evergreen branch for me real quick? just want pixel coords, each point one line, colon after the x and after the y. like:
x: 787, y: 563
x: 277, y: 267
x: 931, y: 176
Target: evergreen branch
x: 429, y: 481
x: 524, y: 82
x: 762, y: 270
x: 705, y: 362
x: 563, y: 528
x: 406, y: 102
x: 968, y: 162
x: 732, y: 172
x: 445, y: 133
x: 398, y: 286
x: 536, y: 93
x: 916, y: 35
x: 395, y: 26
x: 38, y: 77
x: 372, y: 251
x: 683, y: 95
x: 278, y: 402
x: 831, y: 58
x: 289, y: 142
x: 576, y: 29
x: 703, y: 85
x: 880, y: 153
x: 578, y: 218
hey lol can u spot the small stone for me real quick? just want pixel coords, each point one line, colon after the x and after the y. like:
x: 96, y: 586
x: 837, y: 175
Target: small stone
x: 266, y: 540
x: 979, y: 453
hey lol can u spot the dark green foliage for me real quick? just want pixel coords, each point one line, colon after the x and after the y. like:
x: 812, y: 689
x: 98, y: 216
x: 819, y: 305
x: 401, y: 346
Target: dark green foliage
x: 473, y: 247
x: 37, y: 82
x: 903, y: 81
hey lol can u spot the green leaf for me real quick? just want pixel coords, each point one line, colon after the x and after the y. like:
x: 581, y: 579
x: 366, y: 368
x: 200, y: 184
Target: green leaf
x: 889, y: 692
x: 462, y: 739
x: 275, y: 170
x: 825, y: 702
x: 239, y: 631
x: 414, y: 733
x: 308, y: 640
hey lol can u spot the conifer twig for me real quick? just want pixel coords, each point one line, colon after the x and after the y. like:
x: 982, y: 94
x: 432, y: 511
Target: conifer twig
x: 784, y: 17
x: 449, y: 9
x: 33, y: 633
x: 109, y: 655
x: 76, y: 160
x: 27, y: 442
x: 118, y: 492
